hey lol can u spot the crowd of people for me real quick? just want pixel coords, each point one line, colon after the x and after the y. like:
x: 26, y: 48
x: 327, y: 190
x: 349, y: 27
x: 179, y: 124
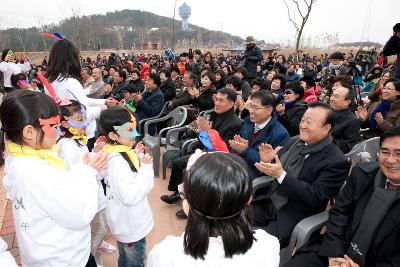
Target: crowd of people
x: 291, y: 119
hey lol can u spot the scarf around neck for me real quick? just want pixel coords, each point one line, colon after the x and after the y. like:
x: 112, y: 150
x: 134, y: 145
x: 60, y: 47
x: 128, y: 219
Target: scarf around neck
x: 51, y: 156
x: 77, y: 135
x: 378, y: 206
x: 293, y: 161
x: 124, y: 149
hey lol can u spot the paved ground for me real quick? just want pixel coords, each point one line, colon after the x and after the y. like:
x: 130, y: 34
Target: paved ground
x: 165, y: 222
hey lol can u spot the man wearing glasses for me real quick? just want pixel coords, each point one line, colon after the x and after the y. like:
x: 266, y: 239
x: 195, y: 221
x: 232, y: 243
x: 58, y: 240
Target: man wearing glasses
x: 364, y: 224
x: 260, y: 127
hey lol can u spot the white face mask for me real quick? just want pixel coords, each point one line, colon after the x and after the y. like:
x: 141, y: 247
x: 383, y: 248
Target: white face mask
x: 203, y: 81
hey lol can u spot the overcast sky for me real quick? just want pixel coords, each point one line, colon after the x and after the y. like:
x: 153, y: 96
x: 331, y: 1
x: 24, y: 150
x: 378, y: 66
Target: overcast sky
x: 264, y: 19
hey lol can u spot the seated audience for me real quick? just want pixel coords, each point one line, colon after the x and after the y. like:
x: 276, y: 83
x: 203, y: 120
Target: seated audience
x: 223, y: 120
x: 260, y: 127
x: 309, y: 171
x: 151, y: 101
x: 308, y: 84
x: 346, y: 131
x: 167, y: 85
x: 292, y: 109
x: 364, y: 225
x: 384, y: 114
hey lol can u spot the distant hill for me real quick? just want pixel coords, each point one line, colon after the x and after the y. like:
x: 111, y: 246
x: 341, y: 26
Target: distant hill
x: 117, y: 30
x: 359, y: 44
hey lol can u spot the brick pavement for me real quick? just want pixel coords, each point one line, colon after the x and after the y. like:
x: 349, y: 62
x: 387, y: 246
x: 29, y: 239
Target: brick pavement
x: 165, y: 222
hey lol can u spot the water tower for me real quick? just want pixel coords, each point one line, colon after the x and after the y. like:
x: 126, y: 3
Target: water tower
x: 184, y: 12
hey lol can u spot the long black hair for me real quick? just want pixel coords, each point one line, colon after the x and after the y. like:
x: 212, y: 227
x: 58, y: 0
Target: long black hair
x: 21, y: 108
x: 218, y: 188
x: 115, y: 116
x: 63, y: 61
x: 4, y: 54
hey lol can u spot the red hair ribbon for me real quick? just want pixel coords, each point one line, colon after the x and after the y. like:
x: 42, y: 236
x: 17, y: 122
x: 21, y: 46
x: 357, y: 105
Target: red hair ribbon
x: 46, y: 125
x: 52, y: 93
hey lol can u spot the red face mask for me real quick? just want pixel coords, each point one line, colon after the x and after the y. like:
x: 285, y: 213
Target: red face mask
x: 46, y: 126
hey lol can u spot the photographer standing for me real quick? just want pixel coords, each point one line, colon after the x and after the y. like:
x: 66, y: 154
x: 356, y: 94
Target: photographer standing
x: 251, y: 58
x: 392, y: 47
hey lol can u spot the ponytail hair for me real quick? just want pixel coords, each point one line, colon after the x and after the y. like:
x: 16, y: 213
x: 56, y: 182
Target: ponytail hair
x: 217, y: 189
x: 21, y: 108
x: 115, y: 116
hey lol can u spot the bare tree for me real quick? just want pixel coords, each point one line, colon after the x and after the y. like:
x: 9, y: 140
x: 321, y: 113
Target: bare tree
x: 303, y: 9
x: 74, y: 7
x: 41, y: 25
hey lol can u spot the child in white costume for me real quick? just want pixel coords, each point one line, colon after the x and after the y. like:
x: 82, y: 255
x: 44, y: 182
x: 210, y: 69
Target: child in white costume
x: 73, y: 145
x: 52, y: 206
x: 128, y: 182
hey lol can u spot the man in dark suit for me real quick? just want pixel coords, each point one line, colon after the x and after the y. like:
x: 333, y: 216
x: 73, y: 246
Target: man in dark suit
x: 364, y: 224
x: 260, y: 127
x: 345, y: 133
x: 167, y: 85
x: 151, y: 101
x: 309, y: 171
x: 223, y: 120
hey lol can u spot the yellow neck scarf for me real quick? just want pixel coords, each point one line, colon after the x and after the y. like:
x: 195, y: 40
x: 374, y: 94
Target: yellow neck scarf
x: 120, y: 148
x: 77, y: 135
x: 51, y: 156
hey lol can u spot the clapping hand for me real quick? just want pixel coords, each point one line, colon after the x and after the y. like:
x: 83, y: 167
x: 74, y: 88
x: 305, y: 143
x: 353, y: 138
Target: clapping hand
x: 239, y: 144
x: 193, y: 92
x: 274, y: 170
x: 378, y: 118
x: 203, y: 124
x: 342, y: 262
x: 99, y: 144
x: 280, y: 108
x: 139, y: 148
x: 98, y: 161
x: 267, y: 153
x: 362, y: 113
x: 146, y: 159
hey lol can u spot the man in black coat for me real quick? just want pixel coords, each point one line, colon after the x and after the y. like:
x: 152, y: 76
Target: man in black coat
x: 364, y: 224
x: 167, y: 85
x: 392, y: 47
x: 251, y: 58
x: 308, y: 172
x: 223, y: 120
x: 346, y: 131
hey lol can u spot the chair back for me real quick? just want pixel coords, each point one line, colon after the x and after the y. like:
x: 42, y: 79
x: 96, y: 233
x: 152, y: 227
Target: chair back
x: 366, y: 151
x: 177, y: 116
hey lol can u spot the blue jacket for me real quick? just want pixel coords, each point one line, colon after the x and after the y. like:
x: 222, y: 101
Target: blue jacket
x: 151, y: 104
x: 273, y: 133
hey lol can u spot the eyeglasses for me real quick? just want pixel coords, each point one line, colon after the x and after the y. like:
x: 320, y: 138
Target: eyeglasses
x: 288, y: 92
x: 386, y: 154
x: 255, y: 108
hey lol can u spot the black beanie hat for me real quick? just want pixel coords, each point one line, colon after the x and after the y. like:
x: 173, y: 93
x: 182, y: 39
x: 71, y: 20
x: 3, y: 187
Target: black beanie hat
x: 337, y: 55
x: 396, y: 28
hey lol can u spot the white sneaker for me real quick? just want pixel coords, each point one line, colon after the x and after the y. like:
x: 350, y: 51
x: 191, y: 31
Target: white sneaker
x: 106, y: 247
